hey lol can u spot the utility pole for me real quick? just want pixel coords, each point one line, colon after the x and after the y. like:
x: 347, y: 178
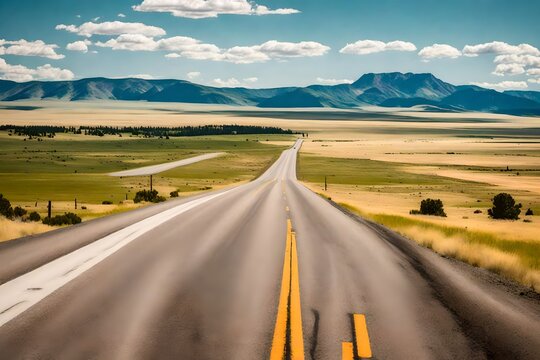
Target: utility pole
x: 325, y: 184
x: 49, y: 208
x: 75, y: 203
x: 150, y: 182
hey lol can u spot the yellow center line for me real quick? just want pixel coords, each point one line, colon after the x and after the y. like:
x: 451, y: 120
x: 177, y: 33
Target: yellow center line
x: 289, y: 319
x: 297, y: 336
x: 347, y: 351
x: 363, y: 347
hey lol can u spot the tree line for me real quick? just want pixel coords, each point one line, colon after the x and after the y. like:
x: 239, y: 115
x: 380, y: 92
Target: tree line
x: 144, y: 131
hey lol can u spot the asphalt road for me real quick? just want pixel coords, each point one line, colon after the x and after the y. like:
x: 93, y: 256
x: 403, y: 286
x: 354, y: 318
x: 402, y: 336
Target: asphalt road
x: 264, y: 270
x: 155, y: 169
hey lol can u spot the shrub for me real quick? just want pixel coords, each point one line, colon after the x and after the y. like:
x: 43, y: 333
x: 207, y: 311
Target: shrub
x: 504, y: 207
x: 478, y: 211
x: 19, y: 211
x: 5, y: 207
x: 66, y: 219
x: 34, y: 216
x: 106, y: 202
x: 414, y: 212
x: 148, y: 195
x: 174, y: 193
x: 432, y: 207
x: 529, y: 212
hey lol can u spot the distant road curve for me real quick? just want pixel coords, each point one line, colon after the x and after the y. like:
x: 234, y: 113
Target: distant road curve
x: 154, y: 169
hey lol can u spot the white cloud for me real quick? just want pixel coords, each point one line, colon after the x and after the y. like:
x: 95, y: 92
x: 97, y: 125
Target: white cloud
x: 363, y: 47
x: 500, y: 48
x: 130, y: 42
x: 96, y: 18
x: 81, y: 46
x: 186, y: 47
x: 333, y: 81
x: 141, y: 76
x: 121, y: 15
x: 524, y: 60
x: 29, y: 48
x: 503, y: 85
x: 534, y: 81
x: 534, y: 72
x: 231, y: 82
x: 439, y: 51
x: 192, y: 75
x: 251, y: 79
x: 112, y: 28
x: 22, y: 73
x: 508, y: 69
x: 198, y: 9
x: 79, y: 16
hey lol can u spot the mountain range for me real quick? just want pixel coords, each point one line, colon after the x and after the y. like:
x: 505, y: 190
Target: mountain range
x: 384, y: 89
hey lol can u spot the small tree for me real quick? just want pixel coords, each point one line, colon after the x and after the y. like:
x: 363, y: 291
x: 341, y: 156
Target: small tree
x: 5, y: 207
x: 529, y: 212
x: 148, y: 195
x: 432, y: 207
x: 504, y: 207
x: 19, y: 211
x: 174, y: 193
x: 34, y: 216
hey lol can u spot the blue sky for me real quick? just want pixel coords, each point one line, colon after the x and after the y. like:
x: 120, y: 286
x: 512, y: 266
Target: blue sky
x: 272, y: 43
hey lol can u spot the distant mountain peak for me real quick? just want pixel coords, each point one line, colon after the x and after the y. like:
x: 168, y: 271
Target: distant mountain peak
x: 382, y: 89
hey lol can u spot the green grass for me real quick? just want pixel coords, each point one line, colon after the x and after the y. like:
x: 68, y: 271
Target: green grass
x: 75, y: 166
x: 363, y: 172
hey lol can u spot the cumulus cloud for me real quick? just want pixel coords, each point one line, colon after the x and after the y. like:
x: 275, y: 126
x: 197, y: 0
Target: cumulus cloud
x: 503, y: 85
x: 439, y: 51
x: 81, y: 46
x: 508, y: 69
x: 112, y: 28
x: 524, y: 60
x: 231, y: 82
x: 363, y: 47
x: 333, y: 81
x: 533, y: 72
x: 121, y: 15
x: 251, y: 79
x: 22, y: 73
x: 190, y: 48
x: 534, y: 81
x: 198, y: 9
x: 29, y: 48
x: 499, y: 48
x: 192, y: 75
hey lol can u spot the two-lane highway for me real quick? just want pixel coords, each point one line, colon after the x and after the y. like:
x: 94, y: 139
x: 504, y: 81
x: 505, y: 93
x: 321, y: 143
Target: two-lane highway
x: 266, y: 269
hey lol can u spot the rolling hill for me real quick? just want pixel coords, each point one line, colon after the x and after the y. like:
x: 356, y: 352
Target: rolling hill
x: 384, y: 89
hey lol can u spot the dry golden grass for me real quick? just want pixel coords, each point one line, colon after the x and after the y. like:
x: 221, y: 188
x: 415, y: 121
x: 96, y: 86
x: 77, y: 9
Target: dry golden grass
x: 16, y: 229
x: 495, y: 260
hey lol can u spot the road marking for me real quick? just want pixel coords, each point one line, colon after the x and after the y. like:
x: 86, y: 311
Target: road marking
x: 363, y: 348
x: 280, y: 330
x: 16, y: 296
x: 289, y: 319
x: 297, y: 335
x: 347, y: 351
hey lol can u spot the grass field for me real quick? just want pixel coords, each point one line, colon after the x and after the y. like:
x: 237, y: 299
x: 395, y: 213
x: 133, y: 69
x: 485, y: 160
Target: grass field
x: 385, y: 192
x: 71, y: 167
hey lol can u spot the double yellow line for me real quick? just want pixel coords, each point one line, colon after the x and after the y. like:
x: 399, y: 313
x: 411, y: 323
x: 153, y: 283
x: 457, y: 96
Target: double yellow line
x: 288, y: 340
x: 288, y: 329
x: 361, y: 337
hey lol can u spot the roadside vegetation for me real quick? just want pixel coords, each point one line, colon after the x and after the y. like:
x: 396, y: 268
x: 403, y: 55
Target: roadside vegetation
x: 469, y: 221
